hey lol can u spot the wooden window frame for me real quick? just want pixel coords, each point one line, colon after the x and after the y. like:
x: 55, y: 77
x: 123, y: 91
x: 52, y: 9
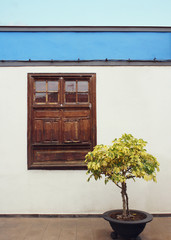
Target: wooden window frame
x: 80, y: 165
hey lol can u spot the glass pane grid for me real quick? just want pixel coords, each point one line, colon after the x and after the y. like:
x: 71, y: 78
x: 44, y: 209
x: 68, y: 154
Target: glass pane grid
x: 52, y: 86
x: 82, y: 86
x: 46, y: 92
x: 76, y: 92
x: 40, y: 97
x: 83, y: 97
x: 70, y: 86
x: 40, y: 86
x: 70, y: 97
x: 52, y: 97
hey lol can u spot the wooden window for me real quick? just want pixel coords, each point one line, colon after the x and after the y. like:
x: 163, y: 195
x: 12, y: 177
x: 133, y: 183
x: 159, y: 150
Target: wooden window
x: 61, y: 120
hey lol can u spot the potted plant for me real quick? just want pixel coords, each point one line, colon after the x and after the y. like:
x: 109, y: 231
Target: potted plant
x: 125, y: 159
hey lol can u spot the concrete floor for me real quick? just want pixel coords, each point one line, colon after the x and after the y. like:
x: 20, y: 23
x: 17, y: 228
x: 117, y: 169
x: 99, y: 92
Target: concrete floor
x: 74, y: 229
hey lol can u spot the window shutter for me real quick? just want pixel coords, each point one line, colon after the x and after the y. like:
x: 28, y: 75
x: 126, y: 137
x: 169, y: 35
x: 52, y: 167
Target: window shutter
x: 61, y: 120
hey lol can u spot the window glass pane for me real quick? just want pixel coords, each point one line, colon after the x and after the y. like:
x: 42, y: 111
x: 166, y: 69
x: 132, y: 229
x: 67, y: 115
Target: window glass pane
x: 53, y: 97
x: 82, y: 86
x: 82, y: 97
x: 40, y: 97
x: 52, y: 85
x: 70, y: 86
x: 40, y: 86
x: 70, y: 97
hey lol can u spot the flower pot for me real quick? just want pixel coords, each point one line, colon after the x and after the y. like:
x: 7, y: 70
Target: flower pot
x: 127, y: 229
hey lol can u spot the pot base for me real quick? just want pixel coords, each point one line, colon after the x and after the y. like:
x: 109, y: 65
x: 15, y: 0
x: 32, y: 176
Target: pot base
x: 115, y: 236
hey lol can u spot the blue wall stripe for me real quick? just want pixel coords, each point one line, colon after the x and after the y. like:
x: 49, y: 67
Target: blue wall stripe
x: 85, y: 45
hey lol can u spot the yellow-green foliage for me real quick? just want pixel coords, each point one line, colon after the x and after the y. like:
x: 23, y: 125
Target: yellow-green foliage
x: 125, y: 159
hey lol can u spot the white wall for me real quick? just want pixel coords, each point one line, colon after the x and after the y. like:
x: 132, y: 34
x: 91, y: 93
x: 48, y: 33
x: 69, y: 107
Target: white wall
x: 134, y: 100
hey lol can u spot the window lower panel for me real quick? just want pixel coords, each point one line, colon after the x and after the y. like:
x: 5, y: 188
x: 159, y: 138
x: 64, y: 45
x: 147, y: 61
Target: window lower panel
x: 61, y: 157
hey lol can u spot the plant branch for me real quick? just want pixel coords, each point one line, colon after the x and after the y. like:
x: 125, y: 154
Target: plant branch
x: 128, y: 170
x: 130, y: 177
x: 118, y: 185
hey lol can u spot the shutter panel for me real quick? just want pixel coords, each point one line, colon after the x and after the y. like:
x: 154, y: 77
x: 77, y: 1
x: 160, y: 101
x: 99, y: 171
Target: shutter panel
x: 61, y: 120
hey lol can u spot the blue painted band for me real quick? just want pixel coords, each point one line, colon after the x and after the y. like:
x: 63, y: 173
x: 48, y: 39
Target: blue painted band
x: 85, y: 45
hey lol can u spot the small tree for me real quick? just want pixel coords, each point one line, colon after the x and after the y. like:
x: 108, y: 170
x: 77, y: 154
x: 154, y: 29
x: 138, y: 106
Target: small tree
x: 125, y: 159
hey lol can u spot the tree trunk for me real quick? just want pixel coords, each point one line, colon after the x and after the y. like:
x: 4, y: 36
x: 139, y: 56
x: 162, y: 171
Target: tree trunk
x: 125, y: 212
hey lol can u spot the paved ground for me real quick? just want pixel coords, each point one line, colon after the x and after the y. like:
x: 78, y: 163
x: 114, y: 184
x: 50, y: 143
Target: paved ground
x: 74, y: 229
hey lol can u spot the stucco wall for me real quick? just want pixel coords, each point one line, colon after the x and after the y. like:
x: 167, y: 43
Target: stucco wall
x: 129, y: 99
